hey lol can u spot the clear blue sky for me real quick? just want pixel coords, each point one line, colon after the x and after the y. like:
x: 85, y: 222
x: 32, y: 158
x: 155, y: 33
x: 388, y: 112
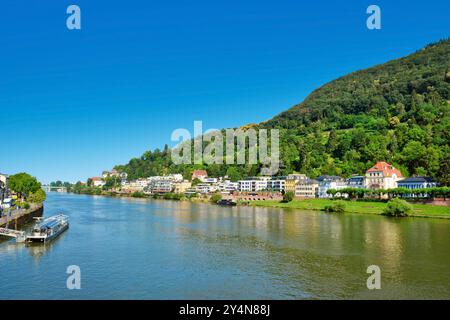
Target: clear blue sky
x: 73, y: 103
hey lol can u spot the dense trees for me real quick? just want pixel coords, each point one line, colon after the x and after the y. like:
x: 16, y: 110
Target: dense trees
x: 37, y: 197
x: 397, y: 112
x: 23, y: 184
x: 359, y: 193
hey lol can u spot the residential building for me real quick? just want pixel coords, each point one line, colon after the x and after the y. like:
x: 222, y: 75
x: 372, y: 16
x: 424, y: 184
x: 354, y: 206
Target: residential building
x: 330, y: 182
x: 228, y: 187
x: 190, y: 192
x: 200, y: 175
x: 253, y: 184
x: 161, y: 186
x: 256, y: 196
x: 175, y: 177
x: 277, y: 184
x: 3, y: 186
x: 417, y: 182
x: 97, y: 182
x: 139, y: 185
x: 355, y: 182
x: 307, y: 188
x: 292, y: 180
x: 181, y: 186
x: 123, y: 176
x: 112, y: 173
x: 210, y: 180
x: 205, y: 188
x: 382, y: 176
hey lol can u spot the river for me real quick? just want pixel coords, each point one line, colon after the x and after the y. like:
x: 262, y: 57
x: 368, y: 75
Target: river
x: 157, y: 249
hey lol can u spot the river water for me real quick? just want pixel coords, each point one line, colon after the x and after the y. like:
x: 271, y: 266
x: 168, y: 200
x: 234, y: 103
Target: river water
x: 157, y: 249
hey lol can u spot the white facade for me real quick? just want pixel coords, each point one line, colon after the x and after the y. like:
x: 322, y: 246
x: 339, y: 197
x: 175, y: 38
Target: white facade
x: 252, y: 185
x: 278, y: 185
x: 330, y: 182
x: 228, y: 186
x: 210, y: 180
x: 205, y: 188
x: 98, y: 182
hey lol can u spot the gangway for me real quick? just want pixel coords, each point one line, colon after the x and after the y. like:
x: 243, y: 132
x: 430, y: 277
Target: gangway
x: 19, y: 235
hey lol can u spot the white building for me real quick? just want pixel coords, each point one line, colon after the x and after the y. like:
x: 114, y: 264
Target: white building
x: 253, y: 184
x: 97, y: 182
x: 228, y: 186
x: 330, y: 182
x: 382, y: 176
x: 355, y: 182
x: 161, y: 186
x: 205, y: 188
x: 3, y: 186
x: 277, y: 184
x: 210, y: 180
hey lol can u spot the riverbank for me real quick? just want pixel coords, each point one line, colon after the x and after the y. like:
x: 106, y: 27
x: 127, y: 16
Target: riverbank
x: 22, y: 216
x: 360, y: 207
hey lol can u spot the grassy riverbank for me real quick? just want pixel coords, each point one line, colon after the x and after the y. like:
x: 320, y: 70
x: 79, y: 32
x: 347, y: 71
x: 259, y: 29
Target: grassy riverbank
x: 363, y: 207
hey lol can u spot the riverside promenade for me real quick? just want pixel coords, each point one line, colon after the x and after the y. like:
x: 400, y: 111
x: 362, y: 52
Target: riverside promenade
x: 17, y: 217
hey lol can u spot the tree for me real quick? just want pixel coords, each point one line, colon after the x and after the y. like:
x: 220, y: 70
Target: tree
x: 23, y: 184
x: 288, y: 196
x: 332, y: 192
x: 37, y: 197
x: 234, y: 174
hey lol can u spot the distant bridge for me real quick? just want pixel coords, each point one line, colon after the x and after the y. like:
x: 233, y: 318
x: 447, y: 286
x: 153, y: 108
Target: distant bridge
x: 48, y: 188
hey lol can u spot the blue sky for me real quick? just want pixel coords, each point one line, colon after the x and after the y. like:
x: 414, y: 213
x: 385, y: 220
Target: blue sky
x: 73, y: 103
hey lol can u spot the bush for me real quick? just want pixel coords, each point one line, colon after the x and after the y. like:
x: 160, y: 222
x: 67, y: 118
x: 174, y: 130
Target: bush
x: 37, y: 197
x: 173, y: 196
x: 23, y: 205
x: 288, y: 197
x: 337, y: 207
x: 397, y: 208
x: 215, y: 198
x: 137, y: 194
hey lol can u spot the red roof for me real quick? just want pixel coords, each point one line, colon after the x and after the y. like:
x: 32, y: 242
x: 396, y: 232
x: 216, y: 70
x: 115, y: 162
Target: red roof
x: 199, y: 173
x: 96, y: 179
x: 387, y: 169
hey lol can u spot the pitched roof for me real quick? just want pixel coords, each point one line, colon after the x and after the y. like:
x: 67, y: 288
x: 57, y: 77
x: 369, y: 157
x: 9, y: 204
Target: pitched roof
x: 200, y: 173
x: 416, y: 179
x: 329, y: 178
x: 387, y: 169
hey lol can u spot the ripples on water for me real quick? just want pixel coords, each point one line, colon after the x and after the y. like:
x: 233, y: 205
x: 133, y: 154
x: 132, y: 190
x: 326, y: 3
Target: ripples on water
x: 144, y: 249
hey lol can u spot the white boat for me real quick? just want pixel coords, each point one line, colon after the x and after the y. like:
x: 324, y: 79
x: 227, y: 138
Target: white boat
x: 49, y: 229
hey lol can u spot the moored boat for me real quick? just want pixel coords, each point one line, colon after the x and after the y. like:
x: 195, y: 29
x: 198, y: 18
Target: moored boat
x: 49, y: 229
x: 226, y: 202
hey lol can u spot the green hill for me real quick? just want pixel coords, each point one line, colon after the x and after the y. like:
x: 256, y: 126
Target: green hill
x: 396, y: 112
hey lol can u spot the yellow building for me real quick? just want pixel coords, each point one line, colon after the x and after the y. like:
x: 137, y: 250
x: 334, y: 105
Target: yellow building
x: 292, y: 181
x: 307, y: 188
x: 181, y: 187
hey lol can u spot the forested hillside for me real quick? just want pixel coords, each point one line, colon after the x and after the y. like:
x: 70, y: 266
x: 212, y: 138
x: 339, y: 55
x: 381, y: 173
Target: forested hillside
x: 397, y: 112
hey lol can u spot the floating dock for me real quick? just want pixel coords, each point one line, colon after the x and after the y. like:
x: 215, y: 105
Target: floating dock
x: 18, y: 235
